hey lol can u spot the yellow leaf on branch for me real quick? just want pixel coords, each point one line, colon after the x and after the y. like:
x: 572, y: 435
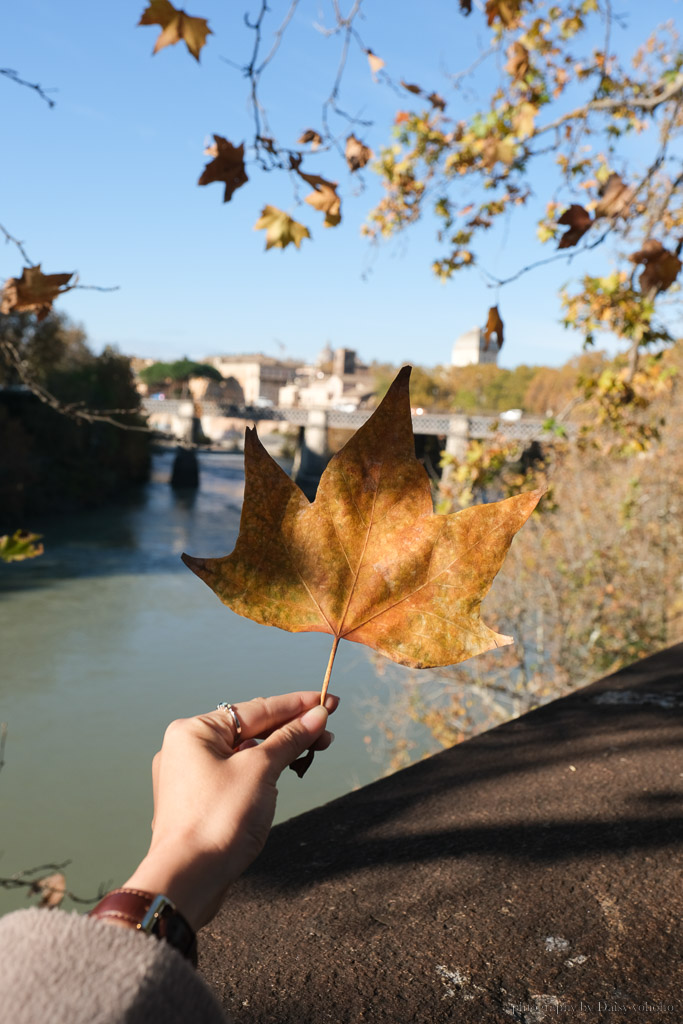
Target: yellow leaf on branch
x: 281, y: 230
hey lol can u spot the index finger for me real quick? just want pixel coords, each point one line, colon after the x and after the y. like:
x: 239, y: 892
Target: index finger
x: 260, y: 716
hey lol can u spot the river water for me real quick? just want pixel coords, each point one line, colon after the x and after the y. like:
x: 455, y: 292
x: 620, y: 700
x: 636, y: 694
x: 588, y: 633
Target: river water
x: 105, y: 639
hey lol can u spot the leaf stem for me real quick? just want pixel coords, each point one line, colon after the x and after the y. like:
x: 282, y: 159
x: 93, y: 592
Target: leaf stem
x: 328, y: 671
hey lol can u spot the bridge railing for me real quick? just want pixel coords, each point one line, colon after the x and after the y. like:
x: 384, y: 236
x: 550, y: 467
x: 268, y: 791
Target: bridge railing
x: 526, y: 429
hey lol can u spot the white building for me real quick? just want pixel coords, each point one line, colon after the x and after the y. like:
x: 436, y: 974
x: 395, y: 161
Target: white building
x: 345, y: 388
x: 471, y: 348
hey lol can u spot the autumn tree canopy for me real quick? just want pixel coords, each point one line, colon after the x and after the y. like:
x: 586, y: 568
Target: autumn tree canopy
x: 553, y: 121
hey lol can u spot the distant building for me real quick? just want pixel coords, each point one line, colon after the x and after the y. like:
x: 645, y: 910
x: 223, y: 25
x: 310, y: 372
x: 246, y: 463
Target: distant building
x: 325, y: 356
x: 227, y: 391
x: 259, y: 376
x: 348, y: 386
x: 471, y: 348
x: 137, y: 364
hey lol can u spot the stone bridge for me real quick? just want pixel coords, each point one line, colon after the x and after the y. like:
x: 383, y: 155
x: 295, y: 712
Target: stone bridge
x: 173, y: 417
x: 180, y: 418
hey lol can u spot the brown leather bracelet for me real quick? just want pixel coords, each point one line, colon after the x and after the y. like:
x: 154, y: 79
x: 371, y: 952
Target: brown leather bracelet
x: 152, y: 914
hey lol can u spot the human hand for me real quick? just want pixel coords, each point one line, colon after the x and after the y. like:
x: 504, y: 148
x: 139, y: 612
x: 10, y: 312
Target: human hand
x: 214, y: 802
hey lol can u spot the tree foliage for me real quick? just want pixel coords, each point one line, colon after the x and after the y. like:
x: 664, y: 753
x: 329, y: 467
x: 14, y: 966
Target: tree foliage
x: 553, y: 118
x: 587, y: 590
x: 553, y: 121
x: 159, y: 375
x: 59, y: 448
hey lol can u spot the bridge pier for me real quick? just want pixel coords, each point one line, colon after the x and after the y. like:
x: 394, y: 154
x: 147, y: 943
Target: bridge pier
x: 185, y: 474
x: 313, y: 453
x: 457, y: 440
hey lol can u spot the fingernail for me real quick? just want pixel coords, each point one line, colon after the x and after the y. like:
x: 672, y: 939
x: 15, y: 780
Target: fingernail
x: 315, y: 718
x: 331, y: 735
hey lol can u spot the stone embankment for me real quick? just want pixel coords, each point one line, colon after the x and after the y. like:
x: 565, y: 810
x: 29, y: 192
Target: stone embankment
x: 531, y: 874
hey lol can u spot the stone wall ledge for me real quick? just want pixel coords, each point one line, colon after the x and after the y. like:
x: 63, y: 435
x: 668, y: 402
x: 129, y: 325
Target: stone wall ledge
x: 530, y: 874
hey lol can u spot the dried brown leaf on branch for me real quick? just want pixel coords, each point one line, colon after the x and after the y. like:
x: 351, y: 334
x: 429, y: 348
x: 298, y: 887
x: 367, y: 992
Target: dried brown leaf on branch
x: 415, y: 89
x: 176, y: 26
x: 51, y: 888
x: 281, y: 230
x: 369, y: 560
x: 507, y: 12
x: 438, y: 102
x: 34, y: 291
x: 323, y: 197
x: 661, y: 267
x: 494, y: 325
x: 465, y: 7
x: 615, y: 198
x: 518, y: 61
x: 376, y: 63
x: 315, y: 138
x: 227, y: 166
x: 357, y: 154
x: 577, y: 220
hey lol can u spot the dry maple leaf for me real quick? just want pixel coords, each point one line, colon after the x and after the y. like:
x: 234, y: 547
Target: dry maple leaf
x: 494, y: 325
x: 176, y: 26
x: 310, y: 135
x: 368, y: 560
x: 357, y: 155
x: 281, y: 230
x: 52, y: 889
x: 415, y: 89
x: 518, y: 61
x: 324, y: 197
x: 34, y: 291
x: 615, y: 198
x: 578, y: 221
x: 505, y: 11
x: 227, y: 166
x: 661, y: 267
x: 376, y: 63
x: 438, y: 102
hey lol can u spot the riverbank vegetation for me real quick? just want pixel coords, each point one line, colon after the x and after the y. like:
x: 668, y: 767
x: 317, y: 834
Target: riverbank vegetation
x: 49, y: 460
x: 594, y: 582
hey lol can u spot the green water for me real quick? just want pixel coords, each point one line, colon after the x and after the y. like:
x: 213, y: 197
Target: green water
x: 108, y: 637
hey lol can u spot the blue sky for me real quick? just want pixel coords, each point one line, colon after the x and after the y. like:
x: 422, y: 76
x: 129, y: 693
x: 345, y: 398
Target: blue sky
x: 105, y: 183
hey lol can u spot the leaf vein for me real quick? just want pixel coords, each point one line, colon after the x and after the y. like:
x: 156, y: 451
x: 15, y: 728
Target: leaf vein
x: 428, y: 582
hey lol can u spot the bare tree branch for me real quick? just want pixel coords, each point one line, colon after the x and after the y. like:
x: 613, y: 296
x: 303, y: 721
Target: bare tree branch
x: 23, y: 880
x: 14, y: 77
x: 569, y: 255
x: 651, y: 102
x: 20, y: 246
x: 72, y: 410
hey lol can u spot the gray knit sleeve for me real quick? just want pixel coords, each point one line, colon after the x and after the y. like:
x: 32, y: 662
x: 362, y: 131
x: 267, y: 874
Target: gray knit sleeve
x: 70, y: 969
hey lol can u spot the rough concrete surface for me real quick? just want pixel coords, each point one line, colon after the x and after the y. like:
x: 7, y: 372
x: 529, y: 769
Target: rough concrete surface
x: 531, y: 874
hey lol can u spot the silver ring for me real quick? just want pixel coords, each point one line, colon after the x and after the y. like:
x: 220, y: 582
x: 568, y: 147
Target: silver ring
x: 224, y: 706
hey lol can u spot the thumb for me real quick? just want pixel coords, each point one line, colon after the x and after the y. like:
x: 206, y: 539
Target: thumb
x: 286, y: 744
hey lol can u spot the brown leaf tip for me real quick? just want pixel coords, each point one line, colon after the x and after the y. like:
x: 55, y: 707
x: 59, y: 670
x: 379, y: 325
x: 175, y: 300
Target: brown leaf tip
x: 195, y: 564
